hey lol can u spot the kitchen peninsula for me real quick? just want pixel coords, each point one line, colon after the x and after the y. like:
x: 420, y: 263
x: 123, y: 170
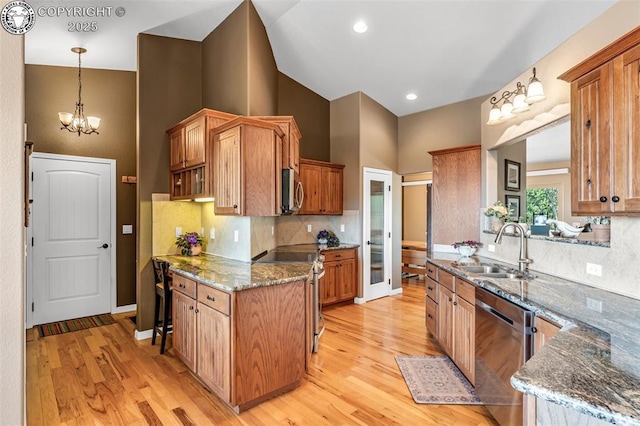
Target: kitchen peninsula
x: 240, y: 327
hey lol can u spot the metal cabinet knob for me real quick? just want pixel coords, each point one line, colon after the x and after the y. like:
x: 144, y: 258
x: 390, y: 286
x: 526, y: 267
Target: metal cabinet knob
x: 603, y: 199
x: 615, y: 198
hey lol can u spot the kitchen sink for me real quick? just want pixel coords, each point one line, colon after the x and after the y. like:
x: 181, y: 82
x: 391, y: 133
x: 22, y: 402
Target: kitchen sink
x: 510, y: 275
x: 480, y: 269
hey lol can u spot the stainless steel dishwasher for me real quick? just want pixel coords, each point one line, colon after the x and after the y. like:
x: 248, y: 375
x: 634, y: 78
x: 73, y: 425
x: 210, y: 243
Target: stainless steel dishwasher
x: 503, y: 344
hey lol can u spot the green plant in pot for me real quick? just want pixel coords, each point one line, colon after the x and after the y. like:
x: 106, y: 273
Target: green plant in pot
x: 601, y: 227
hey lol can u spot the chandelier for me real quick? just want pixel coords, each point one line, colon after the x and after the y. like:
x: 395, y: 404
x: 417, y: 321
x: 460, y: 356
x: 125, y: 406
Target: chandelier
x: 523, y: 98
x: 77, y: 122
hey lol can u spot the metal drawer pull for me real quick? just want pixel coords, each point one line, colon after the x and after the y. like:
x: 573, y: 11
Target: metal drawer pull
x: 213, y: 299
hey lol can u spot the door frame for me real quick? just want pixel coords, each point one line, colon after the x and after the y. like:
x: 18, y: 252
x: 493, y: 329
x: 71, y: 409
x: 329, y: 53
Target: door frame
x: 29, y: 234
x: 388, y: 255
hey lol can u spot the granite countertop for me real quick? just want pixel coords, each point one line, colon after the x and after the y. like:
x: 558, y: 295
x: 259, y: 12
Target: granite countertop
x: 234, y: 275
x: 593, y: 364
x: 340, y: 247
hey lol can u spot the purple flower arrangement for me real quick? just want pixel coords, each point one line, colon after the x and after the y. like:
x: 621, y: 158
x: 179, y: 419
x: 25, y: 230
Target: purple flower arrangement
x: 331, y: 238
x: 187, y: 241
x: 468, y: 243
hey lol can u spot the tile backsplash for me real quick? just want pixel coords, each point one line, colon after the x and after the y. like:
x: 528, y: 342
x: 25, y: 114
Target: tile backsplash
x: 620, y: 262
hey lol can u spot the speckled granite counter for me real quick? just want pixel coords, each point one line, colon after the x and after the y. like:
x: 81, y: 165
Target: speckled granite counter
x: 234, y: 275
x: 593, y: 364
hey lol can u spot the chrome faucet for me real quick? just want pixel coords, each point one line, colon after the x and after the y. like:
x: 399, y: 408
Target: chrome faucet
x: 523, y: 262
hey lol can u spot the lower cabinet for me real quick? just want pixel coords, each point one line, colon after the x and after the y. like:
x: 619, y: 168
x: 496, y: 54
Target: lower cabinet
x: 340, y: 276
x: 455, y: 325
x: 265, y: 326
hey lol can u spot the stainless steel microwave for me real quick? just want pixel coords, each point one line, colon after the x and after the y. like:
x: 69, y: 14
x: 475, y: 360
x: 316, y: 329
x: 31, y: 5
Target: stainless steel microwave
x: 292, y: 192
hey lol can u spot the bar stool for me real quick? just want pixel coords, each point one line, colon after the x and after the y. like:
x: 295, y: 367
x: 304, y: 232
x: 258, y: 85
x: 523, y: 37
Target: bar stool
x: 162, y: 325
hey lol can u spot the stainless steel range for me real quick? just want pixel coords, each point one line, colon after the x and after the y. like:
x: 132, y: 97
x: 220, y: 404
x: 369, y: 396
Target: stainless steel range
x: 304, y: 253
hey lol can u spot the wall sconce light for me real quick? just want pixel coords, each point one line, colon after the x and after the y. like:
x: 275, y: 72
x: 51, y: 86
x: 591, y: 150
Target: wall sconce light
x: 77, y: 122
x: 522, y: 98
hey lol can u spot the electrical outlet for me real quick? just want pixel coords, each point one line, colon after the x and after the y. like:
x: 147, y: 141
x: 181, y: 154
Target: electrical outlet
x: 201, y: 231
x: 273, y: 230
x: 342, y: 227
x: 178, y: 231
x: 235, y: 236
x: 594, y: 269
x: 212, y: 234
x: 594, y: 305
x: 491, y: 248
x: 308, y: 228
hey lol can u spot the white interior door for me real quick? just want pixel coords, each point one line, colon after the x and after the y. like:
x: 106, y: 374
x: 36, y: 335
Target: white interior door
x: 377, y: 234
x: 72, y: 273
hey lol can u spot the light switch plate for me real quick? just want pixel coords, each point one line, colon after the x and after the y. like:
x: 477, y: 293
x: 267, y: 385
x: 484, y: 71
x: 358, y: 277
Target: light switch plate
x: 491, y: 248
x: 308, y: 228
x: 235, y: 236
x: 212, y: 234
x: 202, y: 231
x: 594, y: 269
x: 342, y: 227
x: 178, y: 231
x: 127, y: 229
x: 273, y: 230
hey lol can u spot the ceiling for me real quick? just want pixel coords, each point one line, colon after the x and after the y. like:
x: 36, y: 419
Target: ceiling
x: 443, y: 51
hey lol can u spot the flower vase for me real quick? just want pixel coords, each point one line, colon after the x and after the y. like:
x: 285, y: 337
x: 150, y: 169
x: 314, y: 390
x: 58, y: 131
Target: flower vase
x: 322, y: 242
x: 466, y: 251
x: 495, y: 223
x: 195, y: 250
x: 601, y: 232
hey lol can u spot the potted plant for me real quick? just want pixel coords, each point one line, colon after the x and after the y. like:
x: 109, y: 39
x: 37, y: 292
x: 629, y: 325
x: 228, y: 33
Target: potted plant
x: 496, y: 214
x: 327, y: 238
x: 189, y: 243
x: 466, y: 248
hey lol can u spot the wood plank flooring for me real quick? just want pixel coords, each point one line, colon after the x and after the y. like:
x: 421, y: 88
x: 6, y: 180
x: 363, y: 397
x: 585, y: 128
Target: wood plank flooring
x: 104, y: 376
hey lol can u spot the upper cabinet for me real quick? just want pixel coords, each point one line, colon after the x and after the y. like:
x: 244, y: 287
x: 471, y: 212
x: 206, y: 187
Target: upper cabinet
x: 290, y: 140
x: 605, y: 133
x: 247, y: 165
x: 190, y: 153
x: 323, y: 187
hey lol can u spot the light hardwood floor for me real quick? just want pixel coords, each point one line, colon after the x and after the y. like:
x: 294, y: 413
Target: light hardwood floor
x: 104, y: 376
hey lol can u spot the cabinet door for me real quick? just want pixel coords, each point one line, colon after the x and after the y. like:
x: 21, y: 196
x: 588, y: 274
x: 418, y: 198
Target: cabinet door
x: 226, y: 172
x: 184, y: 329
x: 331, y: 200
x: 214, y: 350
x: 194, y: 146
x: 627, y: 186
x: 328, y: 283
x: 591, y: 140
x: 445, y: 320
x: 176, y: 147
x: 464, y: 337
x: 294, y: 152
x: 311, y: 177
x: 346, y: 285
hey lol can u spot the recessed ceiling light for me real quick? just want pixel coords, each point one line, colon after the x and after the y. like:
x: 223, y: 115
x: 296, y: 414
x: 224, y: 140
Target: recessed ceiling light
x: 412, y: 96
x: 360, y: 27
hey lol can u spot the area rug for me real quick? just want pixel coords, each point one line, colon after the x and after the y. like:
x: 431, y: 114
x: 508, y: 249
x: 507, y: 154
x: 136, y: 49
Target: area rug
x: 436, y: 380
x: 60, y: 327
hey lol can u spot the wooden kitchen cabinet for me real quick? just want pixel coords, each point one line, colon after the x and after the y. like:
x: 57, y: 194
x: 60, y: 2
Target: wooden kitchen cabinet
x: 189, y: 153
x: 323, y: 187
x: 455, y: 328
x: 431, y: 299
x: 290, y: 140
x: 605, y: 138
x: 247, y: 168
x: 245, y: 346
x: 339, y: 283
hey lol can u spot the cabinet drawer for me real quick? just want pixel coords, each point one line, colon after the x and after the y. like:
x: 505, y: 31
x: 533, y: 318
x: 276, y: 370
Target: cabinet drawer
x: 332, y: 255
x: 466, y: 290
x: 431, y: 316
x: 184, y: 285
x: 217, y: 299
x: 432, y: 271
x: 446, y: 279
x: 432, y: 288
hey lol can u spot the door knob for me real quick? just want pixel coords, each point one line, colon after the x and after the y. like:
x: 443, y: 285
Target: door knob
x: 104, y: 246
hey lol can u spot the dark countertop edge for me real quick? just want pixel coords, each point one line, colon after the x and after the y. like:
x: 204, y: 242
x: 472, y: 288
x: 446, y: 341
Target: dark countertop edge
x: 522, y: 384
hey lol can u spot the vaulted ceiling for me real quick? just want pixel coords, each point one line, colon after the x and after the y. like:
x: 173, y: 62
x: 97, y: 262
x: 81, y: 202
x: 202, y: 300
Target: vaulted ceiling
x: 444, y: 51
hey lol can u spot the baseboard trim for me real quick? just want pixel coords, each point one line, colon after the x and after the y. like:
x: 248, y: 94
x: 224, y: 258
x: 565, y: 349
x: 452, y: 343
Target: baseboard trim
x: 142, y: 335
x: 125, y: 308
x: 359, y: 300
x: 395, y: 291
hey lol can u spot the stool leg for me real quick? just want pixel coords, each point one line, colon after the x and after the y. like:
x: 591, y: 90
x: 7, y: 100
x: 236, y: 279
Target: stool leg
x: 166, y: 320
x: 156, y: 320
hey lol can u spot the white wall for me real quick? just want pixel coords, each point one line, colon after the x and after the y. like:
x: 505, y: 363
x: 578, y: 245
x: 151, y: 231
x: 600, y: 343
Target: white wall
x: 621, y: 262
x: 12, y: 338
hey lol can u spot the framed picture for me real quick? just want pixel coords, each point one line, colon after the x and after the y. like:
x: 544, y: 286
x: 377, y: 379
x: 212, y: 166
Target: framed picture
x: 511, y: 175
x: 513, y: 205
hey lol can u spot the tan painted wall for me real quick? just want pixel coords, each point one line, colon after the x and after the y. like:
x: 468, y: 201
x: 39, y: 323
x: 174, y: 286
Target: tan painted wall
x: 168, y: 91
x: 439, y: 128
x: 414, y: 213
x: 345, y: 145
x: 12, y: 348
x: 263, y: 72
x: 311, y: 112
x: 225, y: 64
x: 109, y: 95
